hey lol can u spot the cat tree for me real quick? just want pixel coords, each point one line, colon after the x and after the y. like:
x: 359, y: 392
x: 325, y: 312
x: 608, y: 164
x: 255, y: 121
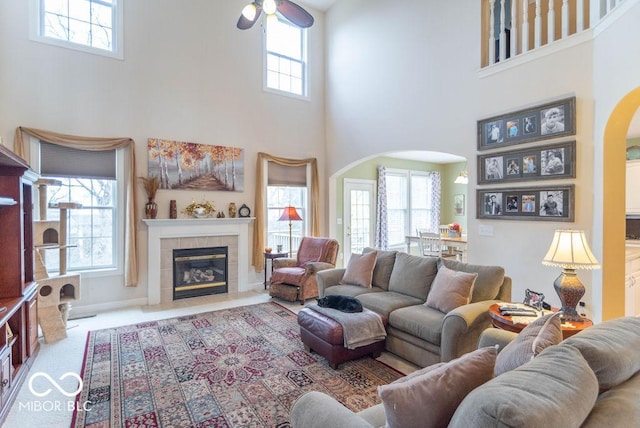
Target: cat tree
x: 55, y: 293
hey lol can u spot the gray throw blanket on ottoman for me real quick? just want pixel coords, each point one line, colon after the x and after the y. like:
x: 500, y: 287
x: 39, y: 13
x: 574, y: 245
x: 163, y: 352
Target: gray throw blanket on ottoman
x: 360, y: 328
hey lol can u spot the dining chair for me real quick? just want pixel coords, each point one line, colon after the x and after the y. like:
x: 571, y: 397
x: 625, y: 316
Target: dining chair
x: 431, y: 245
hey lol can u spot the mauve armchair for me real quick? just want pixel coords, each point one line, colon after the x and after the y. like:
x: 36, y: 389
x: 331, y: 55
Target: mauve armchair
x: 294, y: 278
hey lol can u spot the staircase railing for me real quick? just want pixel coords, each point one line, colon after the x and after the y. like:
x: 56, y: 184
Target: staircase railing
x: 514, y: 27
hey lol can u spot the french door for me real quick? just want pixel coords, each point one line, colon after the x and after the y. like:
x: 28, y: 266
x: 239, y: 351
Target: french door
x: 359, y: 216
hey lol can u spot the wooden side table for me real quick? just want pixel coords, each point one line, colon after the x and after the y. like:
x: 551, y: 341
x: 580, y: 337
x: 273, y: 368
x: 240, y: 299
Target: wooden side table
x: 505, y: 322
x: 271, y: 256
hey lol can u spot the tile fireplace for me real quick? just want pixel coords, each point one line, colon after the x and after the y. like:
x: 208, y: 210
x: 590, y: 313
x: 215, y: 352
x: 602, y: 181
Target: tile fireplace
x: 166, y: 235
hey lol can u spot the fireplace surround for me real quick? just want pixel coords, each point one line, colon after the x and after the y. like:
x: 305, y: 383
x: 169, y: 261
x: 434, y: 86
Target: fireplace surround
x: 165, y: 235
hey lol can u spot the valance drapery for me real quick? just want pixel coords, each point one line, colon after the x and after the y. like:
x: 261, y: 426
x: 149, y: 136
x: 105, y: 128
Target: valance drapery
x: 99, y: 144
x: 258, y: 226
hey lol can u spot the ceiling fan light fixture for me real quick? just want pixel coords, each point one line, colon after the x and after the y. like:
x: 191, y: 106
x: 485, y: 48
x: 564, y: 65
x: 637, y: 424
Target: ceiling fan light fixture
x: 269, y: 7
x: 249, y: 11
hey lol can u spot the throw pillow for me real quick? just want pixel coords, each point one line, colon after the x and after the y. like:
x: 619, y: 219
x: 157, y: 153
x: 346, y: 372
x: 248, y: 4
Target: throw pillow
x: 383, y: 268
x: 442, y: 389
x: 540, y: 334
x: 360, y: 270
x: 450, y: 289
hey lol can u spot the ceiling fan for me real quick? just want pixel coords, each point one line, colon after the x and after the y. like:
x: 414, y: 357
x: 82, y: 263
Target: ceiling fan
x: 294, y: 13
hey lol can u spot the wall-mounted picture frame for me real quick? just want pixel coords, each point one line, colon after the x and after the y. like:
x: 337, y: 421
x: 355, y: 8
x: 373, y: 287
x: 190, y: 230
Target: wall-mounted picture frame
x: 552, y: 203
x: 458, y: 205
x: 552, y: 161
x: 550, y: 120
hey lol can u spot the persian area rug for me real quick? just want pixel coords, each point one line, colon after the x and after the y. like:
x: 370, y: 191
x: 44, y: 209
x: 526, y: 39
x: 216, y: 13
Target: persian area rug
x: 236, y: 367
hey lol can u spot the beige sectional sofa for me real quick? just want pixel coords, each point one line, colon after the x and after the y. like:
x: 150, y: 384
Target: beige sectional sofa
x: 401, y: 284
x: 590, y: 380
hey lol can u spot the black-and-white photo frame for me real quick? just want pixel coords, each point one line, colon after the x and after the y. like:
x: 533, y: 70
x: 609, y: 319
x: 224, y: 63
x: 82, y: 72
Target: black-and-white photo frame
x: 552, y: 161
x: 552, y: 203
x: 550, y: 120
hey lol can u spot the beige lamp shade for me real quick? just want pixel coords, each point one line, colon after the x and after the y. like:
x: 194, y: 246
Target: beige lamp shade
x: 570, y: 250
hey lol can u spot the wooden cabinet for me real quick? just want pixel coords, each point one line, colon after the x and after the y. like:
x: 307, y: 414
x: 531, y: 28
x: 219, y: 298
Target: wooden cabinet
x: 18, y: 298
x: 633, y: 187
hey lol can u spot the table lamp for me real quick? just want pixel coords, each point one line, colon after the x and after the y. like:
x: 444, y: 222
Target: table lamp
x: 570, y: 251
x: 290, y: 214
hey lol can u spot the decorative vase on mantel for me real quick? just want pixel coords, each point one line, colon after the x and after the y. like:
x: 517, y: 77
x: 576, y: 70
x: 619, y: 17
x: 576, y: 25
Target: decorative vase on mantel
x: 151, y: 209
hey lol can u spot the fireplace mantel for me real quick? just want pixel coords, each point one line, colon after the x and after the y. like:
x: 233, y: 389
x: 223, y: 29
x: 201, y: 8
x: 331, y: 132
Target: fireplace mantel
x: 159, y: 229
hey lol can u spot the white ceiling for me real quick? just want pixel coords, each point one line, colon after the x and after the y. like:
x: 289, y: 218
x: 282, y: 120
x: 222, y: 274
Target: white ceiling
x: 323, y: 5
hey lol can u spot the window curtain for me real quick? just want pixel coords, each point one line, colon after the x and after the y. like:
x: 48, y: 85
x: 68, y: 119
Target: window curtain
x: 259, y: 225
x: 436, y: 192
x: 99, y: 144
x: 382, y: 236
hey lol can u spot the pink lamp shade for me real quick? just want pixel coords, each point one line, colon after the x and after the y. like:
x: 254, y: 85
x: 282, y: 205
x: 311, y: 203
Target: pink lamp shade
x: 290, y: 214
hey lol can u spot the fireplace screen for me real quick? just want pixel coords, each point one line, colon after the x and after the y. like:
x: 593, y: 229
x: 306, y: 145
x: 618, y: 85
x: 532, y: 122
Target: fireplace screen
x: 199, y: 272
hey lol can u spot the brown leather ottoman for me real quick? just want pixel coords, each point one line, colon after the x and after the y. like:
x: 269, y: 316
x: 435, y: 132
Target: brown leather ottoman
x: 324, y: 335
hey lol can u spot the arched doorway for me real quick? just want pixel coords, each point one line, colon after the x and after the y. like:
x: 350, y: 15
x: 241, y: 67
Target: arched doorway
x: 613, y: 184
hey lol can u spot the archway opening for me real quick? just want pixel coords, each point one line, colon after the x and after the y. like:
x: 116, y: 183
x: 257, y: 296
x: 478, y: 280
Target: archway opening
x: 614, y: 182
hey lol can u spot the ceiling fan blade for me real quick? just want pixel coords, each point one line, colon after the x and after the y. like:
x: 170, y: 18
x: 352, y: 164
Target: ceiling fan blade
x: 244, y: 23
x: 295, y: 14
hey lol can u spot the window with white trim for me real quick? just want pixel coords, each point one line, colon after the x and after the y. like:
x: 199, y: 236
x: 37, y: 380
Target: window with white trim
x: 409, y: 204
x: 286, y: 186
x: 285, y: 56
x: 93, y: 26
x: 88, y: 178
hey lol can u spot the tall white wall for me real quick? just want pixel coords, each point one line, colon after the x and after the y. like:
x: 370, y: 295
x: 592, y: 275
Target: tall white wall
x: 188, y: 74
x: 405, y: 74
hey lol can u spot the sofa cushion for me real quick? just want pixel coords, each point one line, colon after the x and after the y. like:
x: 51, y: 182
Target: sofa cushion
x: 383, y: 268
x: 617, y: 406
x: 450, y: 289
x: 349, y: 290
x: 413, y: 275
x: 441, y: 388
x: 387, y: 301
x: 419, y: 321
x: 619, y: 337
x: 557, y: 388
x: 488, y: 283
x: 541, y: 333
x: 360, y: 270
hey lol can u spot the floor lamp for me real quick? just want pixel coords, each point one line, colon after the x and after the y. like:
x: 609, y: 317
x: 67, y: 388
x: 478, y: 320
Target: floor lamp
x: 290, y: 214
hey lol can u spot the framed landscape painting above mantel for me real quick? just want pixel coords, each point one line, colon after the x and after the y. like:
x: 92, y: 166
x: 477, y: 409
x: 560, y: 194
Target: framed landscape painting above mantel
x: 550, y: 120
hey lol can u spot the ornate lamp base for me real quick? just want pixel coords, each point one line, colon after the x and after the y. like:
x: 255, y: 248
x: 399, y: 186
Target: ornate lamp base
x: 570, y: 290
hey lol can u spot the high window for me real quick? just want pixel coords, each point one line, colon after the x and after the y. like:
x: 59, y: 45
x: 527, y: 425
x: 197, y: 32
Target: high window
x: 93, y: 26
x: 409, y: 204
x: 88, y: 178
x: 285, y: 56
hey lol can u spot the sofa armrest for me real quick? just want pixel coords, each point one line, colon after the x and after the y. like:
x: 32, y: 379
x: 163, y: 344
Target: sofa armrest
x: 281, y: 262
x: 315, y: 409
x: 328, y: 278
x: 462, y: 327
x: 315, y: 267
x: 495, y: 336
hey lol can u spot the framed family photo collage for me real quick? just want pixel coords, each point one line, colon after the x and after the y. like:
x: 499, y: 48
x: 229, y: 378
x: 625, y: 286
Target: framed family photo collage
x: 533, y: 163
